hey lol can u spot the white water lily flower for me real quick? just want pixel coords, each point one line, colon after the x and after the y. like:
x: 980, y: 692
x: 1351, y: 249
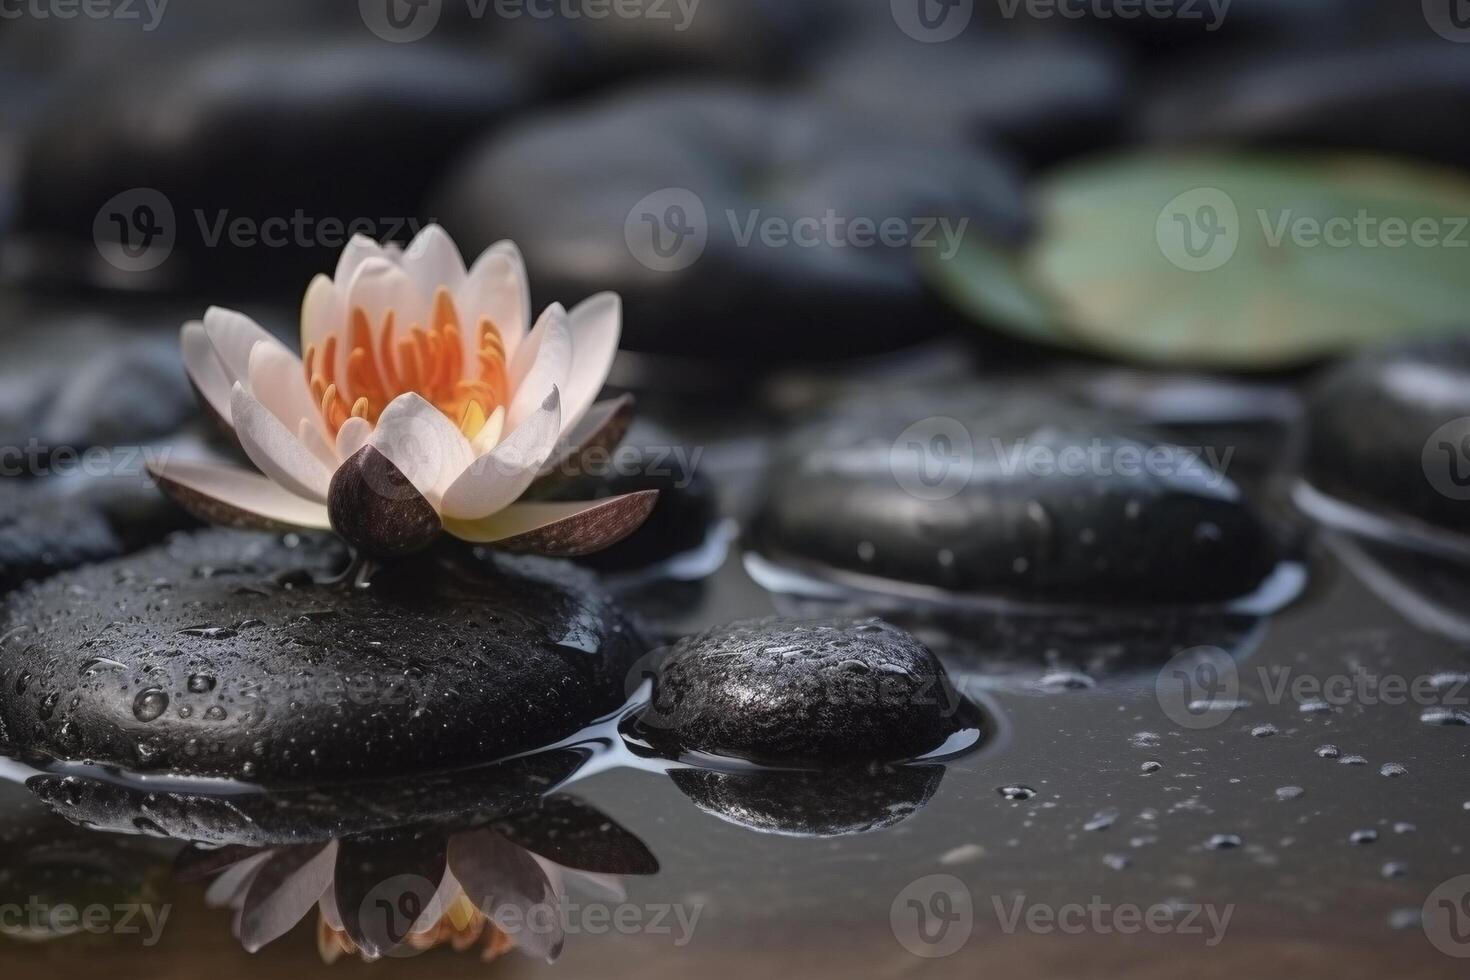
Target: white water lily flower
x: 423, y: 401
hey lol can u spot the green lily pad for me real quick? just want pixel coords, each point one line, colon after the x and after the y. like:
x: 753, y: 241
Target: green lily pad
x: 1227, y: 261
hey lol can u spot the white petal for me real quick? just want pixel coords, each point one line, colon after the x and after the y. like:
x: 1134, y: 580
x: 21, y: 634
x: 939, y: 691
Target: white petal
x: 496, y: 287
x: 283, y: 893
x: 432, y: 260
x: 228, y: 890
x: 322, y: 312
x: 277, y: 379
x: 359, y: 250
x: 378, y: 287
x: 596, y: 326
x: 275, y: 448
x: 310, y: 434
x: 233, y: 336
x: 560, y: 520
x: 489, y: 435
x: 420, y: 440
x: 204, y: 368
x: 497, y: 479
x: 352, y: 436
x: 243, y: 490
x: 543, y: 363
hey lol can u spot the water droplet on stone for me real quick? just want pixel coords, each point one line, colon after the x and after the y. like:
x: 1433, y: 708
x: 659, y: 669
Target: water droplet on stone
x: 215, y: 713
x: 1392, y: 770
x: 1363, y: 837
x: 209, y: 632
x: 149, y: 704
x: 1395, y: 869
x: 1263, y: 731
x: 1151, y: 766
x: 1118, y: 862
x: 1327, y: 752
x: 1223, y: 842
x: 1445, y: 716
x: 1016, y: 794
x: 1067, y: 680
x: 200, y: 683
x: 1352, y: 760
x: 1288, y: 792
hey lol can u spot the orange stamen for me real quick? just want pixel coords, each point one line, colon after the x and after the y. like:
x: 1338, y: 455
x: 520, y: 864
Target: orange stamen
x: 430, y: 362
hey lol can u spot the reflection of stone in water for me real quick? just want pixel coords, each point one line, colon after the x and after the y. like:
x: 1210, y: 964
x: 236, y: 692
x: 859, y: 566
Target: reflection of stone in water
x: 49, y: 864
x: 264, y: 819
x: 1432, y: 592
x: 1095, y: 642
x: 812, y: 804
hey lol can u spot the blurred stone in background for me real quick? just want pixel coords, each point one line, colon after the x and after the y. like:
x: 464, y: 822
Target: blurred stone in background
x: 1409, y: 98
x: 735, y: 224
x: 260, y: 158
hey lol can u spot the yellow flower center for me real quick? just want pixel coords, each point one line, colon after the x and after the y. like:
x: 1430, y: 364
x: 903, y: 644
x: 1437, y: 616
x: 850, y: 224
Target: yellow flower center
x: 428, y: 361
x: 461, y: 927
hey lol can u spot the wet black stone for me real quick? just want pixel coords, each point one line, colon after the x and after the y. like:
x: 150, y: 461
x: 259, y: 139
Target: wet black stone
x: 680, y: 522
x: 217, y: 655
x: 573, y: 52
x: 306, y: 814
x: 837, y: 692
x: 317, y: 138
x: 1043, y: 98
x: 812, y: 804
x: 1388, y: 430
x: 41, y: 533
x: 1180, y: 29
x: 582, y: 192
x: 1405, y: 98
x: 72, y: 379
x: 1002, y: 491
x: 46, y: 862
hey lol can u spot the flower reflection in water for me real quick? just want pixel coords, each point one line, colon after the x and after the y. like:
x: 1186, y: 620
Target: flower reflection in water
x: 491, y: 887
